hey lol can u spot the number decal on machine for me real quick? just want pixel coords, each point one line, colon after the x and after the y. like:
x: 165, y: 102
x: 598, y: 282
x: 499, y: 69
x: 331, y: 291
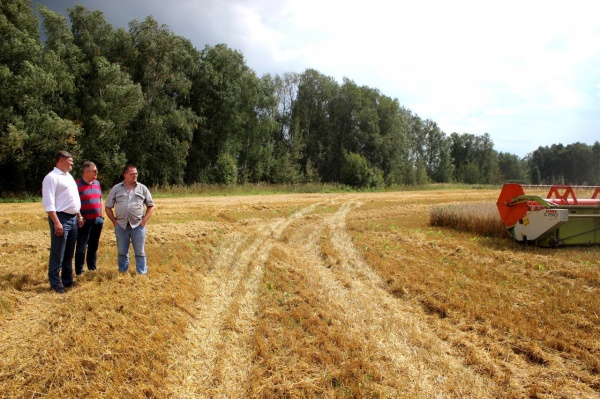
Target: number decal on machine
x: 551, y: 213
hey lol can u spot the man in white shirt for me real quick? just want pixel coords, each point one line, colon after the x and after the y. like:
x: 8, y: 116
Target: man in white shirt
x: 60, y: 199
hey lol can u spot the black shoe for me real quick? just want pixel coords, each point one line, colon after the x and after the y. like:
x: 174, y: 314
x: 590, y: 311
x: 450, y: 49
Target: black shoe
x: 59, y: 290
x: 79, y: 273
x: 73, y: 284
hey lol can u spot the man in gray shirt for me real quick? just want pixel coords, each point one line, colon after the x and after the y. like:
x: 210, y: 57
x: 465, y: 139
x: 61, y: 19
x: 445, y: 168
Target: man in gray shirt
x: 128, y: 199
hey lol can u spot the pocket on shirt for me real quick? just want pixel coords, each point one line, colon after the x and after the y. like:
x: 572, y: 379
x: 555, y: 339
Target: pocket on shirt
x: 139, y: 205
x: 121, y: 197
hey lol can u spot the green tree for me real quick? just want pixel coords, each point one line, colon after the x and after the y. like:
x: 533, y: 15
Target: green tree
x: 511, y: 168
x: 579, y: 161
x: 237, y: 112
x: 106, y: 100
x: 475, y: 160
x: 396, y: 145
x: 165, y: 66
x: 109, y: 103
x: 433, y: 150
x: 261, y: 131
x: 357, y: 173
x: 33, y: 82
x: 289, y: 146
x: 312, y: 124
x: 226, y: 170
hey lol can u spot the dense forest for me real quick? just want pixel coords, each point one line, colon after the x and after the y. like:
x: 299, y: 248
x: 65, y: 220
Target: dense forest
x: 146, y: 96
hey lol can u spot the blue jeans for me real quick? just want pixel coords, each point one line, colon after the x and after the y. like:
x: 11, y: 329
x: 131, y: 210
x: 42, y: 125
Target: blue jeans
x: 60, y: 267
x: 88, y: 237
x: 137, y: 237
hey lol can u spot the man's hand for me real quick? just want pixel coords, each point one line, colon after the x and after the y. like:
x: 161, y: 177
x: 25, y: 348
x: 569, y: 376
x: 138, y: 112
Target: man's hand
x: 58, y: 229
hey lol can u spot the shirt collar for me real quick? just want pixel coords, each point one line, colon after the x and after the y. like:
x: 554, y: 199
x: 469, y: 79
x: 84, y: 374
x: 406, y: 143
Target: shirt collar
x: 134, y: 186
x: 60, y: 172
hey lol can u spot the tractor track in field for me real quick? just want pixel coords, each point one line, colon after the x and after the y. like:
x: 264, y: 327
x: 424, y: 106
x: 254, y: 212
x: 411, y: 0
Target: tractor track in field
x: 390, y: 326
x: 220, y: 357
x: 219, y: 361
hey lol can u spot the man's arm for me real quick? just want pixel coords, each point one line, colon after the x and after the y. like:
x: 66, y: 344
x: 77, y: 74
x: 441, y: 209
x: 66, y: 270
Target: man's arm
x: 49, y: 203
x: 108, y: 205
x: 149, y: 211
x: 110, y: 215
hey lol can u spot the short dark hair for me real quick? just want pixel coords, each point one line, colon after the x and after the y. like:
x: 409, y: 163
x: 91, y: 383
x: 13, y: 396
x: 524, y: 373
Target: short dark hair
x: 62, y: 154
x: 127, y: 167
x: 87, y: 165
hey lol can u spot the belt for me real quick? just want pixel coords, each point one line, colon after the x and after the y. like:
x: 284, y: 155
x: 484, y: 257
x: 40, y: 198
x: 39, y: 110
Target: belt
x: 67, y: 214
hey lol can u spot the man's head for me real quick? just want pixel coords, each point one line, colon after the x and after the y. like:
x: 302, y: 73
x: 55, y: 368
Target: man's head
x: 130, y: 175
x: 90, y: 171
x: 64, y: 161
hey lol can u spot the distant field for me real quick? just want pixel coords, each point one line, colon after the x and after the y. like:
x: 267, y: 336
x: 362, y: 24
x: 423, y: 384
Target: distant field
x: 302, y: 296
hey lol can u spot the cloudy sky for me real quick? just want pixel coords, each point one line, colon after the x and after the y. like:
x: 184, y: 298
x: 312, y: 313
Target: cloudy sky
x: 526, y: 72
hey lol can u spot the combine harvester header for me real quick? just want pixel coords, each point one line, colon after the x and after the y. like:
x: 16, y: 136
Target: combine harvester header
x: 559, y: 218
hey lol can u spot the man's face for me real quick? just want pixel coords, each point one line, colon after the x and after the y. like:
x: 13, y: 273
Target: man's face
x: 130, y: 176
x: 91, y: 173
x: 65, y: 164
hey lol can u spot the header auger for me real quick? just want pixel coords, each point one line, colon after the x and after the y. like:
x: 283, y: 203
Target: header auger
x: 560, y: 217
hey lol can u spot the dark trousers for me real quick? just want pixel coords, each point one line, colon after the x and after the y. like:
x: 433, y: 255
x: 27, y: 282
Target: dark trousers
x: 60, y: 265
x: 88, y: 237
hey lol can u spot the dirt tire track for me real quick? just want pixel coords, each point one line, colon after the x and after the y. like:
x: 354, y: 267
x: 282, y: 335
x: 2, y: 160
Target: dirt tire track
x: 221, y: 336
x: 371, y: 310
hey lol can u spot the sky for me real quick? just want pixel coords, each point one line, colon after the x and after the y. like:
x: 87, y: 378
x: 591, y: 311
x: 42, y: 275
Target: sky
x: 526, y: 72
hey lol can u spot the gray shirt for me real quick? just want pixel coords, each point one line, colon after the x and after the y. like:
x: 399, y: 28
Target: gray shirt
x: 129, y: 204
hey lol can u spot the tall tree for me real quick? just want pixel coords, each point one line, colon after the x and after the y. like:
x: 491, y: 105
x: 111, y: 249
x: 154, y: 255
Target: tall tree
x: 312, y: 123
x: 237, y: 110
x: 261, y: 131
x: 165, y: 66
x: 474, y: 158
x: 32, y: 81
x: 108, y: 99
x: 511, y: 168
x: 579, y: 159
x: 433, y: 148
x: 289, y: 145
x: 396, y: 146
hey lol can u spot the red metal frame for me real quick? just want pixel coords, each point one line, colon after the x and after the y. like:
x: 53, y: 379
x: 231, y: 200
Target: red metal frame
x: 568, y: 192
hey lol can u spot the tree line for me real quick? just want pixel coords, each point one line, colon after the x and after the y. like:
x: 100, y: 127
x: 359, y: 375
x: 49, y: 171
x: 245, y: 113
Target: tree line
x: 184, y: 116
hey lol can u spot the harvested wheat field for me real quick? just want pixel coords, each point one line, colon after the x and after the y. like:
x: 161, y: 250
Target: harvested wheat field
x: 302, y: 296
